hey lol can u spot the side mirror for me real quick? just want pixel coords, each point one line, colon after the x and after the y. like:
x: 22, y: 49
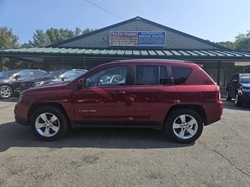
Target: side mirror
x: 80, y: 83
x: 17, y: 77
x: 62, y: 78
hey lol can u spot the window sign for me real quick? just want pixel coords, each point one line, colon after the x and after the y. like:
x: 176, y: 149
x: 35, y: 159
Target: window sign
x: 137, y: 38
x: 151, y: 38
x: 123, y: 38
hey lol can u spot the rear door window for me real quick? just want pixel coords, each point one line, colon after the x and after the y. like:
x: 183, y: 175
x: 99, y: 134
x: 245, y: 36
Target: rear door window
x: 180, y: 74
x: 36, y: 74
x: 151, y: 75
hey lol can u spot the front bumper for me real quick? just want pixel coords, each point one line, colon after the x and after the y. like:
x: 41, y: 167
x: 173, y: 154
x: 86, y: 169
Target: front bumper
x: 19, y: 115
x: 21, y: 121
x: 245, y: 97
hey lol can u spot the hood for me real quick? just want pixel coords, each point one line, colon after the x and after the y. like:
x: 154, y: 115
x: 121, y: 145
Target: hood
x: 36, y: 80
x: 245, y: 85
x: 44, y: 88
x: 3, y: 78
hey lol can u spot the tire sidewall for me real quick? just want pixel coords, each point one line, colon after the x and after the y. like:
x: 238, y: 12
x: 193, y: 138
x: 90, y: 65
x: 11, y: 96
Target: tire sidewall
x: 238, y: 101
x: 171, y: 118
x: 11, y: 92
x: 55, y: 111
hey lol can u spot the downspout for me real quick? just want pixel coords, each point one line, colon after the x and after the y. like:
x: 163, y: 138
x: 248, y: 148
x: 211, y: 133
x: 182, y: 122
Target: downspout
x: 218, y: 72
x: 84, y: 62
x: 1, y: 63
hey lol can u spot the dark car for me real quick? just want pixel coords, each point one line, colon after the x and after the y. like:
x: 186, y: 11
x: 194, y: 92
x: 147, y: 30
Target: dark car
x: 158, y: 94
x: 39, y: 81
x: 67, y: 76
x: 239, y: 89
x: 10, y: 82
x: 8, y: 73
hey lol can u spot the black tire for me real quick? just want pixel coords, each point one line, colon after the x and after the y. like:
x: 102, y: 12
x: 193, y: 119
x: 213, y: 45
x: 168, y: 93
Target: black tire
x: 237, y: 100
x: 186, y: 121
x: 228, y: 98
x: 43, y: 128
x: 5, y: 92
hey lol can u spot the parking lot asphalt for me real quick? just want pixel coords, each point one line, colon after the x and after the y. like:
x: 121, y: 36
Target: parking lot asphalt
x: 126, y: 157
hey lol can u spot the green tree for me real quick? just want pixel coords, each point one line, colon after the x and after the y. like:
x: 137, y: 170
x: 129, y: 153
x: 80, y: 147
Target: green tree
x: 7, y: 38
x: 87, y: 30
x: 53, y: 35
x: 227, y: 44
x: 242, y: 41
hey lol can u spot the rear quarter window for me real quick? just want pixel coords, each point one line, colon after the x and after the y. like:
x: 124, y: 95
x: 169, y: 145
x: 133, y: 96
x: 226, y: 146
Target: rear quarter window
x: 180, y: 74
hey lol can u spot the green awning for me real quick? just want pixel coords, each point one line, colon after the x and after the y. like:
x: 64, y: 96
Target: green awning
x: 196, y: 54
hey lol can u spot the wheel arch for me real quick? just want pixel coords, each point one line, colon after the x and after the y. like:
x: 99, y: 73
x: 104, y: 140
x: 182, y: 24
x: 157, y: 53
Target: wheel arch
x: 35, y: 106
x: 197, y: 108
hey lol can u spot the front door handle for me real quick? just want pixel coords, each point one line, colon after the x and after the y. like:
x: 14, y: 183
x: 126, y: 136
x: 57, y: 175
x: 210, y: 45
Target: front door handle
x: 119, y: 92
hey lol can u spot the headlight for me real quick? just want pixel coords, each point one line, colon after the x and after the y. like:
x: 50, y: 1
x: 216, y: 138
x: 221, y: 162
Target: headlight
x: 245, y: 89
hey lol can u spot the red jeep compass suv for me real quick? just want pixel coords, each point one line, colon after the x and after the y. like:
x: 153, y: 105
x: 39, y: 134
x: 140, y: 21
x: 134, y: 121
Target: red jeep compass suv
x: 176, y: 97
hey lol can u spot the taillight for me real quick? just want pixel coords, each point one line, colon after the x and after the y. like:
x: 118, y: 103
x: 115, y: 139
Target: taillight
x: 218, y: 95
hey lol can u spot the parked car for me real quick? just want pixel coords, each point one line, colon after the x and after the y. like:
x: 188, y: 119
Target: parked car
x: 40, y: 80
x: 159, y: 94
x: 67, y: 76
x: 239, y: 89
x: 10, y: 82
x: 8, y: 73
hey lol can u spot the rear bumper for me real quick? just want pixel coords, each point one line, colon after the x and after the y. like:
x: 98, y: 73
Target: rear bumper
x: 214, y: 112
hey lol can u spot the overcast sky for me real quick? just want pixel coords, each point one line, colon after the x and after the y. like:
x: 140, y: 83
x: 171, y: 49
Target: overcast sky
x: 214, y: 20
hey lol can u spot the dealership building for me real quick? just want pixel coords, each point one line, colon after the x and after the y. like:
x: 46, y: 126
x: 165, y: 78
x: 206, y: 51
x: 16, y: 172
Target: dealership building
x: 136, y: 38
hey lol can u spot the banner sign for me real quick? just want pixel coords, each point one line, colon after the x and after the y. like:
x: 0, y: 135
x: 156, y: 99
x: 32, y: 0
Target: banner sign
x: 123, y: 38
x: 151, y: 38
x: 137, y: 38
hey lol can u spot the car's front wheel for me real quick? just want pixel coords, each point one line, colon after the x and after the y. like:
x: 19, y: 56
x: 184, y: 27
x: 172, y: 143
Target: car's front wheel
x: 184, y: 125
x: 5, y: 92
x: 48, y: 123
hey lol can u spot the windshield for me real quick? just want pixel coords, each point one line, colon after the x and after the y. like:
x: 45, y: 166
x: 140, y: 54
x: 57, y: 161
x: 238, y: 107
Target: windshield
x: 52, y: 75
x: 71, y: 74
x: 8, y: 73
x: 245, y: 78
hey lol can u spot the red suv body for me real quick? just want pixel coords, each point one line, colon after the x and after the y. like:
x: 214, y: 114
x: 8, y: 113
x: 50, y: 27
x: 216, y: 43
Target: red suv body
x: 175, y: 96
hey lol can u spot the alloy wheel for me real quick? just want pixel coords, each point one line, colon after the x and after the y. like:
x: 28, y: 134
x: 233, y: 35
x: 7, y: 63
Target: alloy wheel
x: 185, y: 126
x: 47, y: 124
x: 5, y: 92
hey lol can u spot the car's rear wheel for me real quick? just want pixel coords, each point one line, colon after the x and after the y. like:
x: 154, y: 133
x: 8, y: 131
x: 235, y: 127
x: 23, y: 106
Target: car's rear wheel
x: 48, y: 123
x: 228, y: 97
x: 184, y: 125
x: 5, y: 92
x: 237, y: 100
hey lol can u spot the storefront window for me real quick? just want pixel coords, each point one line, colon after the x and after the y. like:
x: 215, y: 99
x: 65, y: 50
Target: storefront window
x: 213, y: 74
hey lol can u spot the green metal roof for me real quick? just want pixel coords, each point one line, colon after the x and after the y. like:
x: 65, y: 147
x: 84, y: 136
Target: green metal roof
x: 209, y: 54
